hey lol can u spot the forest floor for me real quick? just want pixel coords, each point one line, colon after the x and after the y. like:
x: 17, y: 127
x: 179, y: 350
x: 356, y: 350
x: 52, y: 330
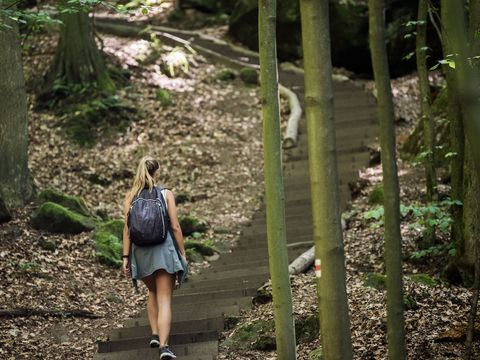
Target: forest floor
x: 209, y: 143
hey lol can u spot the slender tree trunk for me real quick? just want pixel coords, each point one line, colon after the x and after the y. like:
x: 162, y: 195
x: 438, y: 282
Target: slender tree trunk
x: 393, y: 240
x: 467, y: 80
x: 274, y: 190
x: 426, y: 113
x: 78, y: 59
x: 327, y: 229
x: 16, y: 186
x: 457, y: 142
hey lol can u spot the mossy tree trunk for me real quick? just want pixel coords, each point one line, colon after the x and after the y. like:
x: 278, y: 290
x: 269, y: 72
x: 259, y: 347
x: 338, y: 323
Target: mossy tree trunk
x: 16, y: 186
x: 393, y: 240
x: 426, y: 113
x: 467, y: 80
x: 327, y: 229
x: 457, y: 140
x: 78, y: 59
x: 274, y: 191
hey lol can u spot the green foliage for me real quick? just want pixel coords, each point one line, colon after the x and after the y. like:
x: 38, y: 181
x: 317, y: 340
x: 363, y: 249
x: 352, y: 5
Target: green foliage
x: 202, y: 248
x: 256, y: 335
x: 316, y: 354
x: 435, y: 251
x: 249, y: 76
x: 193, y: 255
x: 424, y: 279
x: 435, y: 215
x: 73, y: 203
x: 164, y: 97
x: 409, y: 302
x: 58, y: 219
x: 375, y: 280
x: 376, y: 195
x: 29, y: 267
x: 226, y: 75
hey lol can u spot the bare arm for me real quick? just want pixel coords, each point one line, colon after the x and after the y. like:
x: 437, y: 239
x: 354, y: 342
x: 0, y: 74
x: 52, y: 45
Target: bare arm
x: 177, y: 230
x: 126, y: 239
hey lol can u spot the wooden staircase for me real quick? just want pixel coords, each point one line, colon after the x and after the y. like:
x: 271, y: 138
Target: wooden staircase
x: 227, y: 287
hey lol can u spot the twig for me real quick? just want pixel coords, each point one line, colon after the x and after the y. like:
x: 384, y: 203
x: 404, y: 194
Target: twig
x: 431, y: 10
x: 25, y: 312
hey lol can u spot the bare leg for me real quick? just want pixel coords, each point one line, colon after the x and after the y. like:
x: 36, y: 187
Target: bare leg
x: 152, y: 309
x: 164, y: 283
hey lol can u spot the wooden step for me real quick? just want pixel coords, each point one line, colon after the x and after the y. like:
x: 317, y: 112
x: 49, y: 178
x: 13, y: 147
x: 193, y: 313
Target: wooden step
x: 143, y: 341
x: 194, y: 351
x: 199, y: 325
x: 189, y: 298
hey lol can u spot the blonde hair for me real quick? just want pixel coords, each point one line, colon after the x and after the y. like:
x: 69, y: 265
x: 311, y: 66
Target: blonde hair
x: 144, y: 177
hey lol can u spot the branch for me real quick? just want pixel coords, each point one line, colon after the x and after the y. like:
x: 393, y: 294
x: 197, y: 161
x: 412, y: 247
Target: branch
x: 25, y: 312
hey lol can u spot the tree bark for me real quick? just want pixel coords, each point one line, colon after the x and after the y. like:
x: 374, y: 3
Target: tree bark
x: 327, y: 229
x: 78, y: 59
x: 16, y: 185
x: 467, y: 78
x: 393, y: 240
x: 457, y: 141
x: 274, y: 190
x: 426, y: 113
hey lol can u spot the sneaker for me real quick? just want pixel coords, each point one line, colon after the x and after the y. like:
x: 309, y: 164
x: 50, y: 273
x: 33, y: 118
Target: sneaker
x: 154, y: 341
x: 166, y: 353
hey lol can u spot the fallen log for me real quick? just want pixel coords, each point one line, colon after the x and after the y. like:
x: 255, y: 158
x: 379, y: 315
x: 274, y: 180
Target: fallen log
x: 26, y: 312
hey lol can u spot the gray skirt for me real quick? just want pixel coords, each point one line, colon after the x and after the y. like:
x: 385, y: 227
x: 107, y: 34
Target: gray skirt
x: 145, y: 260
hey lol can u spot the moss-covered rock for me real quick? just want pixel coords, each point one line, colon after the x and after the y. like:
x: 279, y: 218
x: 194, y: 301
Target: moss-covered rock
x: 164, y: 97
x: 375, y: 280
x: 191, y: 224
x: 193, y: 255
x: 226, y: 75
x: 316, y: 354
x: 108, y: 242
x: 376, y: 195
x: 49, y: 245
x: 307, y: 328
x: 424, y: 279
x: 4, y: 212
x: 108, y: 249
x: 58, y: 219
x: 202, y: 248
x: 256, y: 335
x: 249, y: 76
x: 73, y: 203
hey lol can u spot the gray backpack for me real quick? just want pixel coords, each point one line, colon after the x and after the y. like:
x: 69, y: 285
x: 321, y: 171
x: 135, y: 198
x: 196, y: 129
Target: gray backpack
x: 148, y: 221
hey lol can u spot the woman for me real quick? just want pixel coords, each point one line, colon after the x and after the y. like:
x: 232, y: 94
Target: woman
x: 158, y: 265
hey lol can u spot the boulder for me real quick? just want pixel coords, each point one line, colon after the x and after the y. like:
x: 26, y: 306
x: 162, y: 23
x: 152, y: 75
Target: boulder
x: 4, y: 212
x: 249, y: 76
x: 73, y: 203
x: 58, y: 219
x: 349, y: 32
x: 256, y: 335
x: 109, y: 242
x: 191, y: 224
x: 200, y: 247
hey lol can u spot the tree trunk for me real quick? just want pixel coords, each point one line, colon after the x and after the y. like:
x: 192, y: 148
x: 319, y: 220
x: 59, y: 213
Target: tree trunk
x: 16, y: 186
x: 467, y: 79
x: 78, y: 59
x: 327, y: 229
x: 457, y: 141
x: 393, y: 240
x: 426, y: 113
x: 274, y: 190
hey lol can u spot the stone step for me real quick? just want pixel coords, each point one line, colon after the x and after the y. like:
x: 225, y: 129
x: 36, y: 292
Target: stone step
x: 236, y: 272
x: 195, y: 351
x: 143, y: 341
x: 225, y: 284
x: 199, y: 325
x: 216, y: 266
